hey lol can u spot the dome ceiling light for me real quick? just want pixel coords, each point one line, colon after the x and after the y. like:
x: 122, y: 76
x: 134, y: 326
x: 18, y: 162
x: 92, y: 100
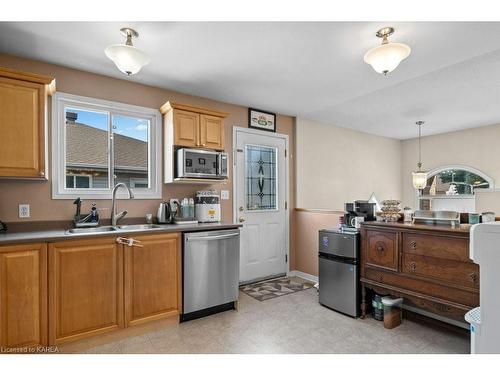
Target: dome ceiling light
x: 126, y: 57
x: 419, y: 176
x: 386, y: 57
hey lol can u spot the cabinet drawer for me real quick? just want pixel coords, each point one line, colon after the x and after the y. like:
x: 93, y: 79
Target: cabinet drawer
x: 445, y: 270
x: 401, y: 281
x: 452, y: 248
x: 382, y: 249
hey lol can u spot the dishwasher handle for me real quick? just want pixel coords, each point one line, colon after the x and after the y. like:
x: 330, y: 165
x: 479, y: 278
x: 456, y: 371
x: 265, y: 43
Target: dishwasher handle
x: 212, y: 238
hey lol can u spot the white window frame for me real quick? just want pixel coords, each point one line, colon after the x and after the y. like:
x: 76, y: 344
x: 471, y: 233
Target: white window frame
x: 62, y: 100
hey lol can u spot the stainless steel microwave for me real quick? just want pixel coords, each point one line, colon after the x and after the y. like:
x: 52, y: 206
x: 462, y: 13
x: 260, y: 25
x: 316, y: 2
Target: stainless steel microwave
x: 194, y: 163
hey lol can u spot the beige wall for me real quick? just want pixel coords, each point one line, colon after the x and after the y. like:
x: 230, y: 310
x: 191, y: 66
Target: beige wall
x: 306, y: 238
x: 477, y: 148
x: 337, y: 165
x: 38, y: 194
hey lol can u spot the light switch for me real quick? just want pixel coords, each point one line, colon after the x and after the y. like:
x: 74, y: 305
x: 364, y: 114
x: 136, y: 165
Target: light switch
x: 224, y: 194
x: 24, y: 210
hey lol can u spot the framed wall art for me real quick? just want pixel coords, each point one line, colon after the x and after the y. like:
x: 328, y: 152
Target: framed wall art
x: 263, y: 120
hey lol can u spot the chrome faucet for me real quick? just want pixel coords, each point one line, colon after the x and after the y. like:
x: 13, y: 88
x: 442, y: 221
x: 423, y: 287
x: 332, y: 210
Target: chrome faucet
x: 117, y: 216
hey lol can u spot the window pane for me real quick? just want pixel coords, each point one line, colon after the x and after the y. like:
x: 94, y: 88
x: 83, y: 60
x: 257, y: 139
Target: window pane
x: 70, y: 182
x: 131, y: 150
x: 261, y: 178
x: 87, y: 140
x: 82, y: 182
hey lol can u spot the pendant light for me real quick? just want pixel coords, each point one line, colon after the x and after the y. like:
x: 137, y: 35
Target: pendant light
x: 126, y: 57
x: 419, y: 176
x: 386, y: 57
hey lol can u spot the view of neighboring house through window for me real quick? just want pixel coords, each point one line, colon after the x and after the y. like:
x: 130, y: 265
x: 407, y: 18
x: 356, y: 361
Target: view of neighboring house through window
x: 92, y: 149
x: 105, y: 143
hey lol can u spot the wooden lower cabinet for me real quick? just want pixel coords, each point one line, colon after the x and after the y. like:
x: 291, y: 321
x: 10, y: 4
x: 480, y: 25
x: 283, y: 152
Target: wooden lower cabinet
x: 152, y: 278
x: 85, y: 288
x: 23, y: 295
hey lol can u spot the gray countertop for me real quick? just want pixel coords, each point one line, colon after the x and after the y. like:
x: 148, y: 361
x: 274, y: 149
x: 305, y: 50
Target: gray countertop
x: 62, y: 234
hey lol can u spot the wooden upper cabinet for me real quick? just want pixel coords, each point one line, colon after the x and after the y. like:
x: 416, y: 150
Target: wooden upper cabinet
x: 186, y: 129
x: 212, y: 132
x: 85, y: 288
x: 23, y: 295
x: 23, y: 117
x: 153, y: 278
x: 190, y: 126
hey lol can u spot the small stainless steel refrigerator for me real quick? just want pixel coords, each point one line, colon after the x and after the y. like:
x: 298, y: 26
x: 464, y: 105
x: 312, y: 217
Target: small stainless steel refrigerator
x: 339, y: 287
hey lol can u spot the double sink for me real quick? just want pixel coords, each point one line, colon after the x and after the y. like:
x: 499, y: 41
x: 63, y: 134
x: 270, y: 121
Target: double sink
x: 118, y: 228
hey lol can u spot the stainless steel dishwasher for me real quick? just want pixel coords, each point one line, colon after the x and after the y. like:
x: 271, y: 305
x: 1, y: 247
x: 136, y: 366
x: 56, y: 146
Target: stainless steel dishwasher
x: 211, y: 262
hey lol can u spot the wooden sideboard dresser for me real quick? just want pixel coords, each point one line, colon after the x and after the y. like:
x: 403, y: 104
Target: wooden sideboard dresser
x: 427, y: 265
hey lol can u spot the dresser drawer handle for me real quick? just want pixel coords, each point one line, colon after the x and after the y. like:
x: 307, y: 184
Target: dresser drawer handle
x: 412, y: 266
x: 380, y: 249
x: 413, y: 245
x: 473, y: 277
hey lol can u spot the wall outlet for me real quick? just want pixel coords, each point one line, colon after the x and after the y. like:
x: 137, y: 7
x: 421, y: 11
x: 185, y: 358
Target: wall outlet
x: 24, y: 210
x: 224, y: 194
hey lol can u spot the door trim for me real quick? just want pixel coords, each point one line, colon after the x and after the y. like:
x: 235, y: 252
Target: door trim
x: 238, y: 129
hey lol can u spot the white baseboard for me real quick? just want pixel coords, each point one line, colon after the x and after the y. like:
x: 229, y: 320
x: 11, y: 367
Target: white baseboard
x: 304, y: 275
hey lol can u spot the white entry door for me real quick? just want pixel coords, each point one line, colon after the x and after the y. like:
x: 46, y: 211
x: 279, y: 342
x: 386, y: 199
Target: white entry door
x: 260, y: 195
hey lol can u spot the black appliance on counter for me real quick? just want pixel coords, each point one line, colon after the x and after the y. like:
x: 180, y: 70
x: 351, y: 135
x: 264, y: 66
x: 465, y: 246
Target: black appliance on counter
x: 339, y: 287
x: 358, y: 208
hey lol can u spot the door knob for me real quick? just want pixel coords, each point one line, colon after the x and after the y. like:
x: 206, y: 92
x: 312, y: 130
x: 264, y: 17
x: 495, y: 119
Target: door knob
x: 241, y: 220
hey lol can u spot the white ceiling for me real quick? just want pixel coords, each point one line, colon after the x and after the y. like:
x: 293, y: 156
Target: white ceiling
x: 310, y: 70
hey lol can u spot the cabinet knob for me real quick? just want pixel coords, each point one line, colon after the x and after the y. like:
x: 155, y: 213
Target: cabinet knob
x: 412, y: 266
x: 41, y: 173
x: 203, y: 144
x: 413, y: 244
x: 241, y: 220
x: 380, y: 249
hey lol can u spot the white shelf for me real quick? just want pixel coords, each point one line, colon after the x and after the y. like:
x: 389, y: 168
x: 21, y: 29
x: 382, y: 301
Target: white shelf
x: 197, y: 181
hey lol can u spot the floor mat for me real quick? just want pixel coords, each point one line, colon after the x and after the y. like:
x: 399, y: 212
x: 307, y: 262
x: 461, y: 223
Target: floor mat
x: 265, y: 290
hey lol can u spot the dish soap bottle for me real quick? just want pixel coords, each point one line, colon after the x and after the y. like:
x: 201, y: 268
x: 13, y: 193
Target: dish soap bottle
x: 191, y: 207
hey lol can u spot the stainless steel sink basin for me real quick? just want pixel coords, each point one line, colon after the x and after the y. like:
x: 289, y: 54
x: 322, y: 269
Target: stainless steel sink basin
x: 138, y: 227
x: 92, y: 230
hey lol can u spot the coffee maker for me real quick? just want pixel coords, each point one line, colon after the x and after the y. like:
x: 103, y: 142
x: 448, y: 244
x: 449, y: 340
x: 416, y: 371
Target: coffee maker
x: 363, y: 209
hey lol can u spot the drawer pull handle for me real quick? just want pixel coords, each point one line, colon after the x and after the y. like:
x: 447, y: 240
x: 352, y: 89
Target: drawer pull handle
x: 413, y: 244
x: 380, y: 249
x: 412, y: 266
x: 473, y: 277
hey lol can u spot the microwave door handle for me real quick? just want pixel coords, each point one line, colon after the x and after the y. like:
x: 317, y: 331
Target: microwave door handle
x: 219, y: 165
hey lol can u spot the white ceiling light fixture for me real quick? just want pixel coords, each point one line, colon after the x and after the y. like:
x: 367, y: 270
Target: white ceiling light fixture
x: 386, y: 57
x: 126, y: 57
x: 419, y: 176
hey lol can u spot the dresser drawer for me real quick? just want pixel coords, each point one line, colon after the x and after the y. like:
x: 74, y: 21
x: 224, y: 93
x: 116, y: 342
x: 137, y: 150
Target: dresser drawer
x: 382, y: 249
x: 444, y: 270
x: 444, y: 247
x: 425, y: 287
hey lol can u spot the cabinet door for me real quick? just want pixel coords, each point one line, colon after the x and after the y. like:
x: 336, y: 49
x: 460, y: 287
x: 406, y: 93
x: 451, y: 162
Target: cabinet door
x: 23, y: 295
x: 212, y: 132
x: 85, y: 288
x: 22, y: 129
x: 382, y: 249
x: 152, y: 278
x: 186, y: 128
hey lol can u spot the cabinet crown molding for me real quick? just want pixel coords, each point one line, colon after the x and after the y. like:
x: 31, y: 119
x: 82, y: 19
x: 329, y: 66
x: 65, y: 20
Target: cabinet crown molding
x: 168, y: 106
x: 49, y: 81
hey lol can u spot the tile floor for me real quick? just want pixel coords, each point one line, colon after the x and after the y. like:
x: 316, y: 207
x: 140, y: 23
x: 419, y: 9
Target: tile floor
x: 295, y: 323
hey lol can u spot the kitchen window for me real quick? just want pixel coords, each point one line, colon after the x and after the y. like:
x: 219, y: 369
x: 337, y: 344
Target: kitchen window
x: 97, y: 144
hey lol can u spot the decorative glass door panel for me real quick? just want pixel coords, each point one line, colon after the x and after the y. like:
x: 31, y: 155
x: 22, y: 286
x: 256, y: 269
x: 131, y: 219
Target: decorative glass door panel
x: 261, y: 178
